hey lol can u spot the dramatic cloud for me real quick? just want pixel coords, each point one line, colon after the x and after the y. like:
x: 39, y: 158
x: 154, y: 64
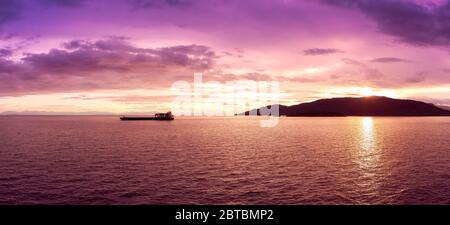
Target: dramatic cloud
x: 104, y: 64
x: 4, y: 52
x: 54, y: 48
x: 410, y: 21
x: 320, y: 51
x: 389, y: 60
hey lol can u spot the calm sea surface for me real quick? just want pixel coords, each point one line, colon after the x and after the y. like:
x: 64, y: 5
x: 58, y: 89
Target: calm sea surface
x: 101, y: 160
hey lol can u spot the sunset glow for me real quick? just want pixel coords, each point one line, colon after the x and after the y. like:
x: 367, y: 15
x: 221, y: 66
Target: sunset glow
x: 124, y: 55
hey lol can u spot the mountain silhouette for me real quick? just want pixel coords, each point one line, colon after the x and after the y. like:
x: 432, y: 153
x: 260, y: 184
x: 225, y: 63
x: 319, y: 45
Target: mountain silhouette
x: 363, y: 106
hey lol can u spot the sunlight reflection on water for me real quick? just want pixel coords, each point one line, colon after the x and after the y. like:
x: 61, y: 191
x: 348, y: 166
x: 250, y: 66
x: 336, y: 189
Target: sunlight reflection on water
x: 368, y: 157
x: 367, y: 134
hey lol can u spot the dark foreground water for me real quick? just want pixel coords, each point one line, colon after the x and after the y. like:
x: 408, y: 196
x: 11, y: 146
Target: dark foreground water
x: 101, y: 160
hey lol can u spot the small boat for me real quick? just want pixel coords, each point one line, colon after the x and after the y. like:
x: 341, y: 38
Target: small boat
x: 157, y: 116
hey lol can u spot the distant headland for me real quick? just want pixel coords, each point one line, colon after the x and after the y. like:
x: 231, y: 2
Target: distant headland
x: 358, y: 106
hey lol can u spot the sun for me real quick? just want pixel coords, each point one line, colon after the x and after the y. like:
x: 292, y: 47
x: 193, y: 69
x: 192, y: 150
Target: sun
x: 367, y: 91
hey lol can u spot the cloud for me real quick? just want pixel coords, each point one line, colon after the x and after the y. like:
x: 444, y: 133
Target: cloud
x: 105, y: 64
x: 409, y: 21
x: 66, y: 3
x: 362, y: 72
x: 4, y: 52
x: 416, y: 78
x: 389, y: 60
x: 142, y: 4
x: 320, y: 51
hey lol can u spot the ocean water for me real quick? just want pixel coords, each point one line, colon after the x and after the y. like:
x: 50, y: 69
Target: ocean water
x: 102, y: 160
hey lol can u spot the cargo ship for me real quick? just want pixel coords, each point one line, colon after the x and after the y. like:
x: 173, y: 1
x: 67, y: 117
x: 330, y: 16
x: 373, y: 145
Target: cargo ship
x: 157, y: 116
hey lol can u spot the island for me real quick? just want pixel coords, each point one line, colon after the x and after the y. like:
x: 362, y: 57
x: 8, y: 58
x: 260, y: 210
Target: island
x: 358, y: 106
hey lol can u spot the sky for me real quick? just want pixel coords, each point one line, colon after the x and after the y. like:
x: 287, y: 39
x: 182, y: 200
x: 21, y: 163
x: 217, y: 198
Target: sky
x: 123, y: 56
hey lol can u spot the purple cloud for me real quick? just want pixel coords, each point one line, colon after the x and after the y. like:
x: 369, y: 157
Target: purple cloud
x: 320, y: 51
x: 4, y: 52
x: 67, y: 3
x: 142, y: 4
x: 407, y: 20
x: 104, y: 64
x: 416, y: 78
x: 389, y: 60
